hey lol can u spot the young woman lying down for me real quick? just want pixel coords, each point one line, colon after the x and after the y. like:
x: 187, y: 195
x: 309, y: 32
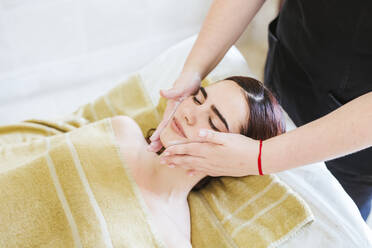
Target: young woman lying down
x: 236, y: 105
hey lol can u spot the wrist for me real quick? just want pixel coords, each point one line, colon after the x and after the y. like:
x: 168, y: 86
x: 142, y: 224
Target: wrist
x: 267, y: 164
x: 192, y: 73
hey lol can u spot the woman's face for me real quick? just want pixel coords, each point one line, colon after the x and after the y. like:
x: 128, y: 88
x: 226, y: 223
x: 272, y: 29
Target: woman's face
x: 221, y: 107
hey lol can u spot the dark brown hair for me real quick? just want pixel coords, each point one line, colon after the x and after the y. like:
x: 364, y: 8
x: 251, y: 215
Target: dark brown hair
x: 265, y: 115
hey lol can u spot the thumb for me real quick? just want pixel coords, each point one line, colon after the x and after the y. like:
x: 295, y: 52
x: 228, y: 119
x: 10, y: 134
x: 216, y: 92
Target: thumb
x: 211, y: 136
x: 173, y: 93
x: 159, y: 129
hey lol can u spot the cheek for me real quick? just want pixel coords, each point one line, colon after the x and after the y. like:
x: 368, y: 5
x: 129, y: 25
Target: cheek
x: 167, y: 136
x: 164, y: 137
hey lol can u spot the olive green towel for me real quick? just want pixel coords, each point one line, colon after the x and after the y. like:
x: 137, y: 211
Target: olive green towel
x: 64, y: 184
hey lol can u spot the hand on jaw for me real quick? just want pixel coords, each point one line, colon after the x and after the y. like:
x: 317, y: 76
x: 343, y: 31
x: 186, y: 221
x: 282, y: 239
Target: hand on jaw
x: 214, y: 154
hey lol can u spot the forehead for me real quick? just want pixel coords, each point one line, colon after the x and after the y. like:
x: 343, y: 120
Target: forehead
x: 229, y: 99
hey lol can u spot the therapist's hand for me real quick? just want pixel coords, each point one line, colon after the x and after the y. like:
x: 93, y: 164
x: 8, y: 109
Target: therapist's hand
x: 215, y: 154
x: 185, y: 85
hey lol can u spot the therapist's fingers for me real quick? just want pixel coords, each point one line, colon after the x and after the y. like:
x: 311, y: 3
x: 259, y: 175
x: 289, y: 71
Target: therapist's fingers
x: 170, y: 106
x: 173, y: 93
x: 155, y: 146
x: 184, y: 161
x: 159, y: 129
x: 210, y: 136
x: 186, y: 84
x: 201, y: 147
x: 188, y: 148
x: 205, y: 136
x: 191, y: 164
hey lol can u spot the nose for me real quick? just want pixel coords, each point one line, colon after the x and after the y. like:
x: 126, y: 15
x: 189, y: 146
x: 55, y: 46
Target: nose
x: 190, y: 116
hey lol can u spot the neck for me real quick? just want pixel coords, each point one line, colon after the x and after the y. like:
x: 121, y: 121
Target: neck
x: 171, y: 185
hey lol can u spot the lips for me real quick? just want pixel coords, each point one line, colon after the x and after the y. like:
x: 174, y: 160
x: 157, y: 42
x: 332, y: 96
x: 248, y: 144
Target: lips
x: 176, y: 126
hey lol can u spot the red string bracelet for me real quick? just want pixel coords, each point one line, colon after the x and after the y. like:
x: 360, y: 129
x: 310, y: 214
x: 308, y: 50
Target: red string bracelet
x: 259, y: 160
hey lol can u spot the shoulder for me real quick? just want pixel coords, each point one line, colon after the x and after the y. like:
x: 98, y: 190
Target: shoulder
x: 125, y: 127
x: 130, y: 140
x: 127, y: 131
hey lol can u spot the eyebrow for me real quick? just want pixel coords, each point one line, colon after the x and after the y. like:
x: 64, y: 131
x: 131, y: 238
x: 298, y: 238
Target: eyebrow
x: 214, y: 109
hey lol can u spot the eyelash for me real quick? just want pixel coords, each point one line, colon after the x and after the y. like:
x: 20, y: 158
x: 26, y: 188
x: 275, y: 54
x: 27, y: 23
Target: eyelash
x: 209, y: 118
x: 212, y: 125
x: 196, y: 100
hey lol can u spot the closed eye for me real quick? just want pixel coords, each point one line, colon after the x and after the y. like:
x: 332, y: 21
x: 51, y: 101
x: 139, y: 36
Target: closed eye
x: 196, y: 100
x: 212, y: 125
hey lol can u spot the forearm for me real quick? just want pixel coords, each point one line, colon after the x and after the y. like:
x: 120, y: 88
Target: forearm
x: 343, y: 131
x: 224, y: 24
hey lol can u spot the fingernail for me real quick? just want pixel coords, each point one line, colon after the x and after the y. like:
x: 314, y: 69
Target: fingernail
x: 171, y: 165
x: 203, y: 133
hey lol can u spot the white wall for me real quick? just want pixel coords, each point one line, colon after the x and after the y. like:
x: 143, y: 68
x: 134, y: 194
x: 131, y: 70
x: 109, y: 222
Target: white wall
x: 51, y: 49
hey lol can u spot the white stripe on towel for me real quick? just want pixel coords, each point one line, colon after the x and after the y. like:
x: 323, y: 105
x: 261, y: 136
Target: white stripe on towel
x: 61, y: 196
x: 263, y: 211
x: 255, y: 197
x: 93, y: 202
x: 109, y: 105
